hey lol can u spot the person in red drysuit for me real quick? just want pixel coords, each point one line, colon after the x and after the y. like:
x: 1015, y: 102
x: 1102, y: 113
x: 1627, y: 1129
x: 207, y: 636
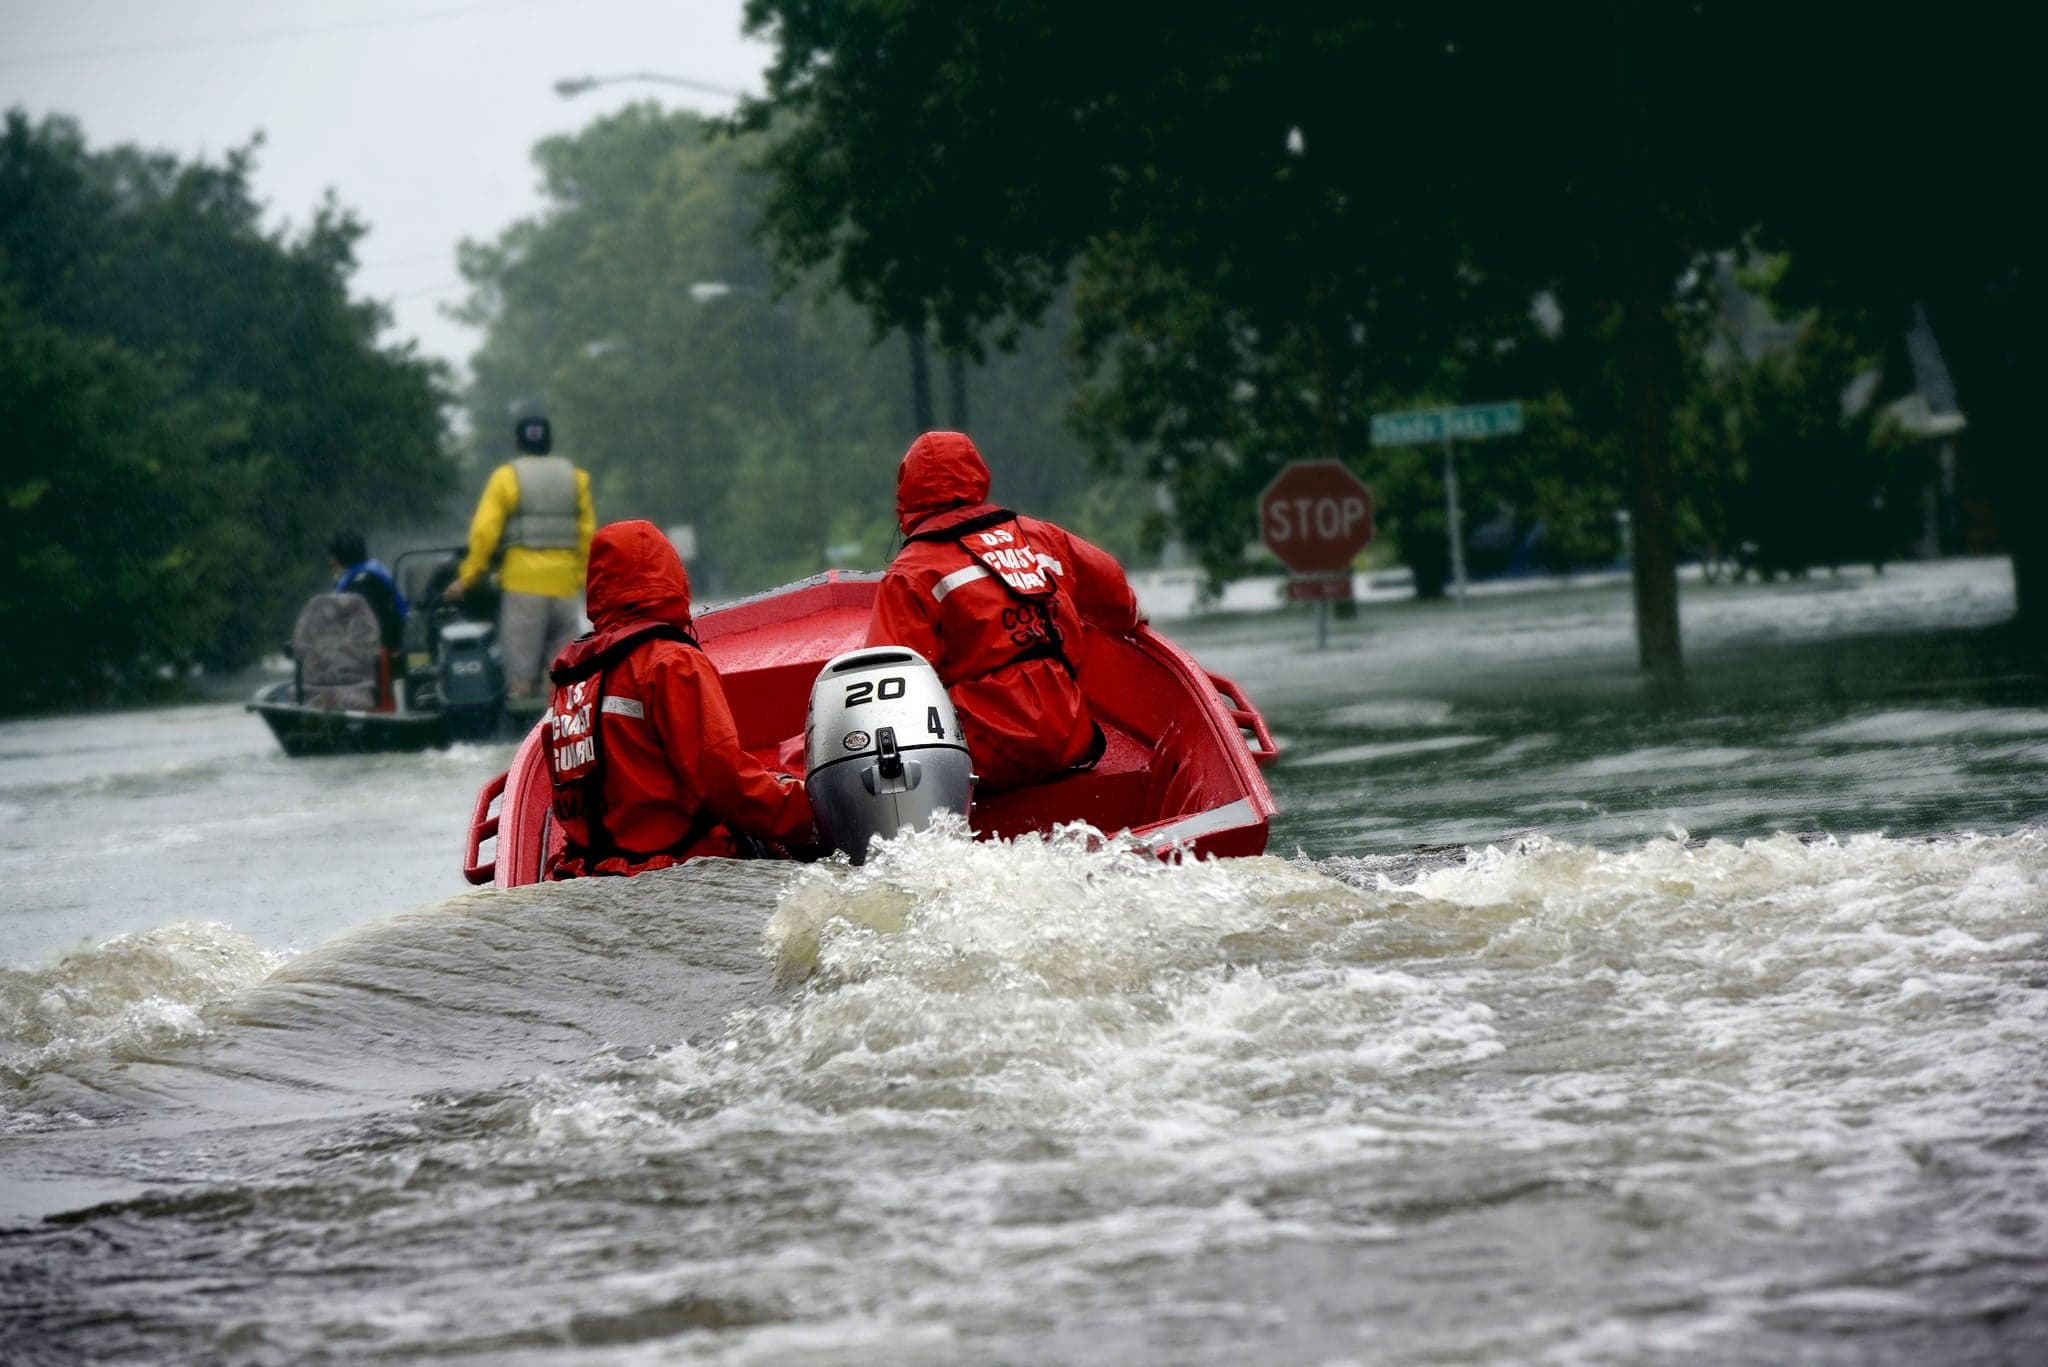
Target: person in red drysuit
x: 647, y: 764
x: 996, y: 602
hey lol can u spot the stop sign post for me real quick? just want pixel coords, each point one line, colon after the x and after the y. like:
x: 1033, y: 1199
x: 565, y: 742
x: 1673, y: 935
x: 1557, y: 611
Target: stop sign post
x: 1316, y: 516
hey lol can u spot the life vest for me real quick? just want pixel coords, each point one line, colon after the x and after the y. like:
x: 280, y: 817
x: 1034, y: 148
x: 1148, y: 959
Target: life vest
x: 546, y: 517
x: 576, y: 751
x: 996, y: 548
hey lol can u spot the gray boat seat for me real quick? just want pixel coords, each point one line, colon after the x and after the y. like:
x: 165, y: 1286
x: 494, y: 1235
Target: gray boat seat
x: 336, y: 645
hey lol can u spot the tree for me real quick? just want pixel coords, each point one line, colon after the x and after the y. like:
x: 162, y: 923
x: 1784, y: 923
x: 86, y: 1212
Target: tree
x: 210, y: 403
x: 1300, y: 167
x: 698, y: 385
x: 1357, y: 189
x: 1800, y: 472
x: 1894, y: 184
x: 128, y: 514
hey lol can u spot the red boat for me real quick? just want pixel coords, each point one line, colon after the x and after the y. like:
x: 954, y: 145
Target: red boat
x: 1181, y: 771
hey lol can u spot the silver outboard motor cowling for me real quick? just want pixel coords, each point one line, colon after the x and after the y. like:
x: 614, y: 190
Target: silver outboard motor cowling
x: 883, y: 748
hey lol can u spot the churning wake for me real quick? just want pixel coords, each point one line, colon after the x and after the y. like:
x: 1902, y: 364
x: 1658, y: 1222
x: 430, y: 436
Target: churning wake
x: 1056, y: 1100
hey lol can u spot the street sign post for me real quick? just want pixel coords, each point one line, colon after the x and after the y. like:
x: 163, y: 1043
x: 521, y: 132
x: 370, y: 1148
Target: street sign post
x: 1318, y: 588
x: 1316, y: 516
x: 1473, y: 422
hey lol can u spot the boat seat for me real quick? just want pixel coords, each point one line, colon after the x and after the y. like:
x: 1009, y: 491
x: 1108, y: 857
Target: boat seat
x: 335, y: 648
x: 1111, y: 795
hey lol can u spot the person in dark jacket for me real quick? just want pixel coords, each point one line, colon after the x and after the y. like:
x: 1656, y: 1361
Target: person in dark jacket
x: 355, y: 572
x: 646, y: 759
x: 997, y: 602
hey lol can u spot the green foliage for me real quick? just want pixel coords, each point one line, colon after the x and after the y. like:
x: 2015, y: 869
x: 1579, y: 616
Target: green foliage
x: 127, y: 513
x: 1930, y: 208
x: 1796, y: 471
x: 637, y: 310
x: 1283, y: 213
x: 1281, y: 216
x: 205, y: 402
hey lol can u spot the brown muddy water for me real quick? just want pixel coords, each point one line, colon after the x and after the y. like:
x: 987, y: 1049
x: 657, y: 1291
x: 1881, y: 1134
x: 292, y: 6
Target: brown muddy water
x: 1557, y: 1026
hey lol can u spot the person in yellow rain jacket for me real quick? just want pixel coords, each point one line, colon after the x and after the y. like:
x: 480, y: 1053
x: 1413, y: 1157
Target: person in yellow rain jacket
x: 536, y: 509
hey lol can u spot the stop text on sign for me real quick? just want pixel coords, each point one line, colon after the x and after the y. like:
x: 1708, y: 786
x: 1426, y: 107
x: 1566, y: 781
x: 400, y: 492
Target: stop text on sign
x: 1316, y: 518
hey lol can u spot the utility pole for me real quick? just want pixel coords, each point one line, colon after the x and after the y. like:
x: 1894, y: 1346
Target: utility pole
x: 921, y: 413
x: 956, y: 382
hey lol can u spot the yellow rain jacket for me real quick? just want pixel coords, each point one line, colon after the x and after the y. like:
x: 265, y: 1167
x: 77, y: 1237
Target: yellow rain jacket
x: 550, y: 573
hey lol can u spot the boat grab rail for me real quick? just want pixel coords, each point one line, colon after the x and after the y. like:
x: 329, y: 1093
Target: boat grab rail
x: 483, y: 825
x: 1258, y: 739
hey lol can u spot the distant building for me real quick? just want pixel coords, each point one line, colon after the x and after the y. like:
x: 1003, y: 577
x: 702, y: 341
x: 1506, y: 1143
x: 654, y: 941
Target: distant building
x: 1747, y: 319
x: 1952, y: 517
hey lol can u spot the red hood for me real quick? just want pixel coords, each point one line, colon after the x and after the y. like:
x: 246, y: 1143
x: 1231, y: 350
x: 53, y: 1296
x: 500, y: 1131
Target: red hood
x: 636, y: 576
x: 941, y: 470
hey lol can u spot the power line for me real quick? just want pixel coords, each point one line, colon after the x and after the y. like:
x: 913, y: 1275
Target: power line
x: 448, y: 288
x: 416, y: 259
x: 273, y: 35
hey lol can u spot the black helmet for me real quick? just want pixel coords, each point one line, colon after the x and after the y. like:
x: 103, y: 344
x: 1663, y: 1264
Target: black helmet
x: 532, y: 435
x: 347, y: 549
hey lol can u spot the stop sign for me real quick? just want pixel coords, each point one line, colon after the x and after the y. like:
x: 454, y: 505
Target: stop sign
x: 1315, y: 516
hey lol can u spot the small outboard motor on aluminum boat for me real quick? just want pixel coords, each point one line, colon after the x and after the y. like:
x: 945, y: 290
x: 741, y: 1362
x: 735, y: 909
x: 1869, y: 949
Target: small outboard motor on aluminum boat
x: 471, y: 675
x: 883, y: 748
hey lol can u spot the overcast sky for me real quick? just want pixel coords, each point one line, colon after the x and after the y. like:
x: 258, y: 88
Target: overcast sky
x: 419, y: 114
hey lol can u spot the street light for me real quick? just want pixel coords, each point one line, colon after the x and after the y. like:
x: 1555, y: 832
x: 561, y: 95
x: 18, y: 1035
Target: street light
x: 571, y: 86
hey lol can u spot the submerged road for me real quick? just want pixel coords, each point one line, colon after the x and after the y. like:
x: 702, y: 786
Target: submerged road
x: 1706, y: 1032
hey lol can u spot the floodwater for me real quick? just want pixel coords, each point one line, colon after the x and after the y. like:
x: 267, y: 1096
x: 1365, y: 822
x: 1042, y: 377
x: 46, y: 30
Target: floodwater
x: 1557, y: 1026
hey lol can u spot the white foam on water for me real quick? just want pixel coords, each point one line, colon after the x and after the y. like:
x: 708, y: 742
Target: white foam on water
x: 1661, y: 759
x: 1002, y: 1077
x: 1390, y: 713
x: 2033, y: 755
x: 1924, y: 724
x: 1516, y: 750
x: 131, y: 992
x: 1094, y: 1004
x: 1392, y: 749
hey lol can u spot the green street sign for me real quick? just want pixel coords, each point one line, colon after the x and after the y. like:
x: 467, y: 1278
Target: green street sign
x: 1426, y: 426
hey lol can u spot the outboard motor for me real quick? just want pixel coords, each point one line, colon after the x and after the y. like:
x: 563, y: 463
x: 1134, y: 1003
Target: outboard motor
x: 472, y: 678
x: 421, y: 674
x: 883, y: 748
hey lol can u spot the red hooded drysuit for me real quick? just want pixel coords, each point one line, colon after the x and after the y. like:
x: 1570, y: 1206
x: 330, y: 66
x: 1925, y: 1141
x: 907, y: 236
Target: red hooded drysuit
x: 996, y: 602
x: 647, y: 765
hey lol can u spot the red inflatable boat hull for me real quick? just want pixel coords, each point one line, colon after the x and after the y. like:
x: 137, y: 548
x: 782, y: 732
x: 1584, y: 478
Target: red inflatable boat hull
x: 1181, y: 771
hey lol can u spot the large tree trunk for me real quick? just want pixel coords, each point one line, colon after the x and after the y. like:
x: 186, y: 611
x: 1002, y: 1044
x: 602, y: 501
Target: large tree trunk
x: 2012, y: 457
x: 2030, y: 588
x: 1988, y: 335
x: 1647, y: 342
x: 1649, y: 347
